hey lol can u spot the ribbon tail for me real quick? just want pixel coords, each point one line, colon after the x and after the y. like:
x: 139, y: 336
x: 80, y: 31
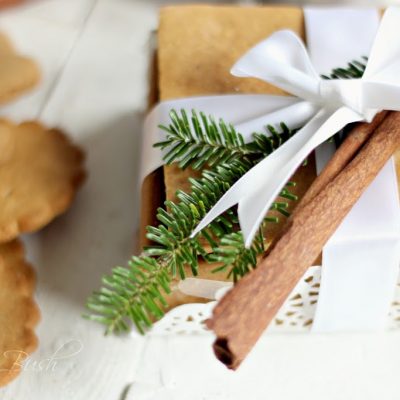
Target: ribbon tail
x: 258, y: 188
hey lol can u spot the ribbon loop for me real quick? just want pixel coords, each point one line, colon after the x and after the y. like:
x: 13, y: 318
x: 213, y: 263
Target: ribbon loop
x: 282, y: 60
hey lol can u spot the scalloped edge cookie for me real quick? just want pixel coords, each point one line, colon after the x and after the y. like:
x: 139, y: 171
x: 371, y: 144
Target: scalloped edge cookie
x: 18, y: 73
x: 40, y: 173
x: 19, y: 313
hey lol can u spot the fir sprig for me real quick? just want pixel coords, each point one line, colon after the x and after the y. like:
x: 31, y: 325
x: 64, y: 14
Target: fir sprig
x: 199, y: 140
x: 137, y: 292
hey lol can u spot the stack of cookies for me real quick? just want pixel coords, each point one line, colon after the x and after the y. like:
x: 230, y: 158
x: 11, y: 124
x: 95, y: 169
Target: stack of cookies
x: 40, y: 172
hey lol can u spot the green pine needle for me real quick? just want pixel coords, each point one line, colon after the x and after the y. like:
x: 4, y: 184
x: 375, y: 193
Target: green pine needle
x: 135, y: 293
x: 235, y: 257
x: 201, y: 141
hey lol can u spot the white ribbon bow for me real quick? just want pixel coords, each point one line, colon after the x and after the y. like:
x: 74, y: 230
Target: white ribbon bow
x: 328, y: 105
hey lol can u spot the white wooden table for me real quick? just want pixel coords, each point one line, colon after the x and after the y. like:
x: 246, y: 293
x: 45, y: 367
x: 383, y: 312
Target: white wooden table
x: 93, y: 55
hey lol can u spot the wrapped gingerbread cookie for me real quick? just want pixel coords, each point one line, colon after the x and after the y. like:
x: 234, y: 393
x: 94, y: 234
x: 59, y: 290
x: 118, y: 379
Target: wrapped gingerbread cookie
x: 273, y: 140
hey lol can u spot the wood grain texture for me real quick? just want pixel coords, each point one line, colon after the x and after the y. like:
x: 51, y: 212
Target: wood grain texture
x: 244, y: 313
x: 79, y: 46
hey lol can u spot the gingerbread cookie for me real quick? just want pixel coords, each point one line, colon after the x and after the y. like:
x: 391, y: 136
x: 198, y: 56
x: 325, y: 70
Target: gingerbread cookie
x: 17, y: 73
x: 40, y: 172
x: 19, y: 313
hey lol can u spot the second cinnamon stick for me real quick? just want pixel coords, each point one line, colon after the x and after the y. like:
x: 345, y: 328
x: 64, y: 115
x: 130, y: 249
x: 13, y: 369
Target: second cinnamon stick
x: 243, y: 313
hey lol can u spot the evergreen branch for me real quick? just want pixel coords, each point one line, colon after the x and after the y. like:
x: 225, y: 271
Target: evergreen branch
x: 137, y: 292
x: 131, y: 293
x: 232, y: 252
x: 201, y: 141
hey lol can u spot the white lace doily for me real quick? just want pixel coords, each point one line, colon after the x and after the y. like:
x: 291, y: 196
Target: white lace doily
x: 296, y: 315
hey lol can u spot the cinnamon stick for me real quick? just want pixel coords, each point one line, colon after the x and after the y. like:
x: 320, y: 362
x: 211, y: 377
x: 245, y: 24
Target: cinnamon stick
x: 244, y: 312
x: 356, y: 138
